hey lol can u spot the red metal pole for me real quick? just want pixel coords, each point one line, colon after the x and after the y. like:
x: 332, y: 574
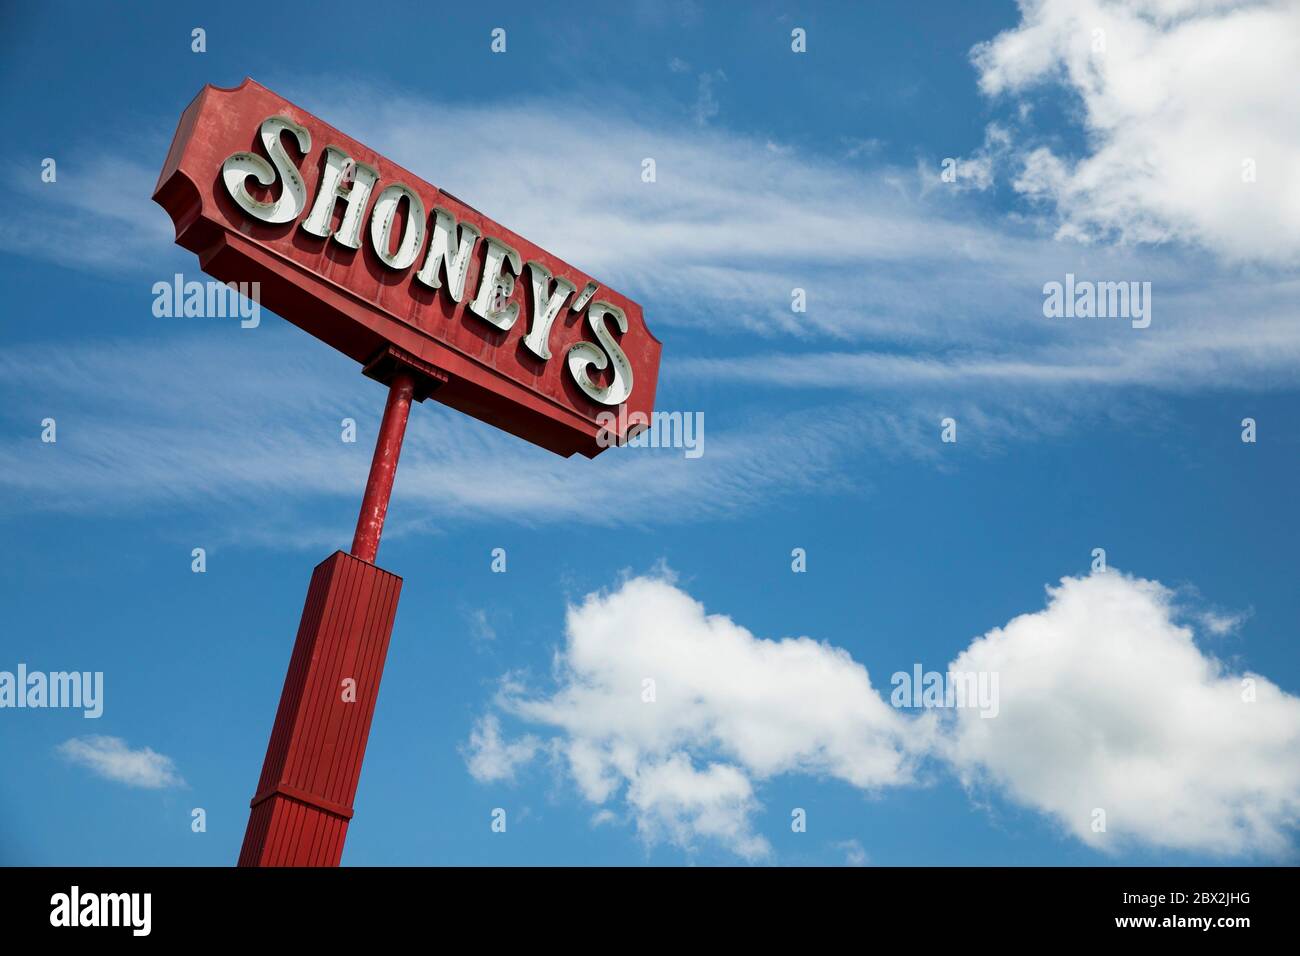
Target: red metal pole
x: 300, y: 813
x: 383, y: 467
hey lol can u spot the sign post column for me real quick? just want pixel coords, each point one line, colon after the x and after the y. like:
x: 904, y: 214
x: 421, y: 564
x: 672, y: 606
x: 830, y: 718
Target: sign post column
x: 300, y: 814
x: 383, y: 467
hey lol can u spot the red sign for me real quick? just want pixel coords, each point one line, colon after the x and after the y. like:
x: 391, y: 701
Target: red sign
x: 391, y: 270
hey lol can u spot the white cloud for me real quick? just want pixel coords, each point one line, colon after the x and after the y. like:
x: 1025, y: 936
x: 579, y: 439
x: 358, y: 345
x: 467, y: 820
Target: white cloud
x: 854, y: 854
x: 1104, y: 702
x: 1107, y: 702
x: 921, y: 272
x: 245, y: 425
x: 1222, y: 623
x: 480, y: 626
x: 905, y: 292
x: 97, y: 215
x: 731, y: 225
x: 112, y: 759
x: 490, y: 758
x: 706, y: 99
x: 1259, y: 350
x: 167, y: 422
x: 735, y: 223
x: 674, y: 801
x: 1176, y: 96
x: 975, y: 171
x: 729, y: 709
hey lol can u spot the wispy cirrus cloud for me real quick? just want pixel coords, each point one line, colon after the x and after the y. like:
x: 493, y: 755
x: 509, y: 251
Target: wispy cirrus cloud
x: 1256, y: 352
x: 885, y: 258
x: 113, y: 759
x: 95, y: 216
x: 921, y: 302
x: 251, y: 420
x: 244, y: 428
x: 894, y: 269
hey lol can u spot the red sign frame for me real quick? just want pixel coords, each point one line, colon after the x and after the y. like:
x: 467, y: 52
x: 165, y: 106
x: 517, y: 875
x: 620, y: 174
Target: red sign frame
x: 384, y: 317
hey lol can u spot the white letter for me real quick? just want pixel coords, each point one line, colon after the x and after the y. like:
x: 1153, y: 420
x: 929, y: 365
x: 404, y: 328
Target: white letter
x: 1141, y: 314
x: 584, y: 354
x: 546, y: 307
x: 92, y: 688
x: 331, y: 189
x: 381, y: 226
x: 238, y: 167
x: 1052, y: 300
x: 444, y: 247
x: 496, y: 286
x: 142, y: 916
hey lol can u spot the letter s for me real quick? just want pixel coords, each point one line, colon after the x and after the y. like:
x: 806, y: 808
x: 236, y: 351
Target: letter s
x: 239, y: 166
x: 585, y: 354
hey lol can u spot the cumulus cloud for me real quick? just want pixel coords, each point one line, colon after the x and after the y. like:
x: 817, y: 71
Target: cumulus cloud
x: 682, y: 712
x: 491, y: 758
x: 113, y: 759
x: 1183, y: 103
x: 673, y: 800
x: 1106, y: 702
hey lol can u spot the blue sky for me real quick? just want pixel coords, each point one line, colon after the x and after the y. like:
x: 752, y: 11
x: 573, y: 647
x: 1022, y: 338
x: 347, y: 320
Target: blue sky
x: 1118, y: 157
